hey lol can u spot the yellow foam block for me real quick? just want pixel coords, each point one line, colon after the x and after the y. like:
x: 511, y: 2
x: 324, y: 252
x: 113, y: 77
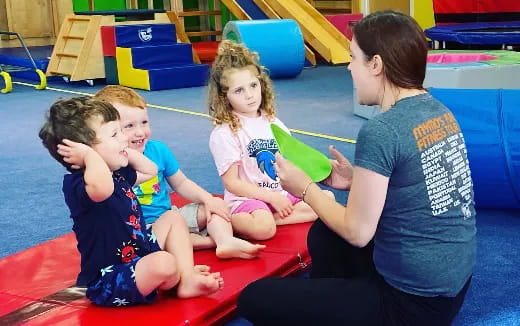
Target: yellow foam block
x: 127, y: 74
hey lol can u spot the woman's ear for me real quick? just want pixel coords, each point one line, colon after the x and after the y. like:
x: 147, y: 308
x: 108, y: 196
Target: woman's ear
x: 376, y: 64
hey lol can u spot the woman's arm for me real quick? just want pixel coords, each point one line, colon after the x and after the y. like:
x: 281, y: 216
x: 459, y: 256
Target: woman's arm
x: 357, y: 221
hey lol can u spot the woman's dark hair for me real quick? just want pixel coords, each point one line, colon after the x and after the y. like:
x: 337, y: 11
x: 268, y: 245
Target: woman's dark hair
x: 400, y: 42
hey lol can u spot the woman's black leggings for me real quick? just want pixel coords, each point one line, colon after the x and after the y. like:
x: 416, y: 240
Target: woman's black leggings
x: 344, y: 289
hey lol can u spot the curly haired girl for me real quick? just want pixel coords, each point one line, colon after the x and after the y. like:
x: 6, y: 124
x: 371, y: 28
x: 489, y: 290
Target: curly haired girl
x: 241, y: 104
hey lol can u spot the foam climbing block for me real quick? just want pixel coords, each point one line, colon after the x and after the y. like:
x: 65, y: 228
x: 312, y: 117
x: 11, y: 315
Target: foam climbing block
x: 149, y: 57
x: 127, y: 74
x: 190, y: 75
x: 108, y: 40
x: 43, y: 291
x: 146, y: 57
x: 145, y: 34
x: 207, y: 51
x: 111, y: 70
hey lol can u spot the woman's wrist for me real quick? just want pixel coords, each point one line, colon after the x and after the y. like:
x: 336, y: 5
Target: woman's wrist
x: 306, y: 190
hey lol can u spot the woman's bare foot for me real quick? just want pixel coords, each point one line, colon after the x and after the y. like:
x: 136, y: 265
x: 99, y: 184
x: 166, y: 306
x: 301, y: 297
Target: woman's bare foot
x: 199, y: 282
x: 238, y: 248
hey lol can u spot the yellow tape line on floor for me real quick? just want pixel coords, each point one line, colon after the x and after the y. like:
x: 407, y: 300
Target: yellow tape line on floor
x: 161, y: 107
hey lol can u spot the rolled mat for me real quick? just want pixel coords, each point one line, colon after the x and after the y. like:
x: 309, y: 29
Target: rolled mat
x: 279, y: 43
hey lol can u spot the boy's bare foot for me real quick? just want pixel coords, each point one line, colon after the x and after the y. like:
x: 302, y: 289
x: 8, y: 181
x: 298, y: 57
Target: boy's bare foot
x: 199, y: 283
x: 238, y: 248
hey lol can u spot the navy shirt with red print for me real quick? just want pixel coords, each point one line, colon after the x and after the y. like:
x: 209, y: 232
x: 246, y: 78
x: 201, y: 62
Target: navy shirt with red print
x: 110, y: 232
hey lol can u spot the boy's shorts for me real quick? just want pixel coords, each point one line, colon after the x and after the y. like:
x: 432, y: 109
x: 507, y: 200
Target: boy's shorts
x: 253, y: 204
x: 189, y: 212
x: 116, y: 287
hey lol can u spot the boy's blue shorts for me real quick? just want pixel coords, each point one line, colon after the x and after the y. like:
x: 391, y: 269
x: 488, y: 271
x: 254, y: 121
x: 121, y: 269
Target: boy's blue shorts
x: 116, y: 287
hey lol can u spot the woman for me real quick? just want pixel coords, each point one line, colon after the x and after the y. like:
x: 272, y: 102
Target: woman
x: 402, y: 251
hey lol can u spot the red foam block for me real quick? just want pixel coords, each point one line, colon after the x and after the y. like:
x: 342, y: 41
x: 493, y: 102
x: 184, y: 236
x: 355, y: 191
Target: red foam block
x: 108, y: 40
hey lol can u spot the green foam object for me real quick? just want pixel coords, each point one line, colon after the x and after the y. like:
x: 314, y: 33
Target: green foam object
x: 311, y: 161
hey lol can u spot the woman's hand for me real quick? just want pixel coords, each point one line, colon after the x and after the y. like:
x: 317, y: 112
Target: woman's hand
x: 292, y: 178
x: 342, y: 171
x: 74, y: 153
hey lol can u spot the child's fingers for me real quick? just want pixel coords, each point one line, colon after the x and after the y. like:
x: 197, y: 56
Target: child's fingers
x: 226, y: 218
x: 63, y: 149
x: 221, y: 211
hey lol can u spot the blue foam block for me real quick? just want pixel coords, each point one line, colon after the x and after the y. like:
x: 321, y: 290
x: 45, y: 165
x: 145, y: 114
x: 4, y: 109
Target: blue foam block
x: 489, y: 121
x: 151, y: 56
x: 178, y: 76
x: 145, y: 35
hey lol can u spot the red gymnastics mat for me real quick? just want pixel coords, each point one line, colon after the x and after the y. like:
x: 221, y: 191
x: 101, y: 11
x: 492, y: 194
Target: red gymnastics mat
x: 37, y: 285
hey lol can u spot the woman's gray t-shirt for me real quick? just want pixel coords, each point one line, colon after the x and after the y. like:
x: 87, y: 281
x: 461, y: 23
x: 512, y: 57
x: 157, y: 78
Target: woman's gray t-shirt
x: 425, y: 240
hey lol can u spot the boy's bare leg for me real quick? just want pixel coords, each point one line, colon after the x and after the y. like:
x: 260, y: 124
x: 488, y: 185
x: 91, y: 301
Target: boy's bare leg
x: 173, y: 236
x: 229, y: 246
x: 301, y: 213
x: 258, y: 225
x: 201, y: 242
x: 157, y: 270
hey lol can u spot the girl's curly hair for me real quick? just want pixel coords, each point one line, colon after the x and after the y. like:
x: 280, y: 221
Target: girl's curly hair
x: 232, y: 57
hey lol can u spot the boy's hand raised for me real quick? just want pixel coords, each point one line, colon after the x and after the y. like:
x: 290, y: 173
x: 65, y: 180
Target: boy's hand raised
x: 74, y: 153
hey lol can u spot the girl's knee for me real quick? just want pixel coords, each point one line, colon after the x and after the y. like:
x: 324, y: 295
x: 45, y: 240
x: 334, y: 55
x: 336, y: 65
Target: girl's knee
x: 263, y: 228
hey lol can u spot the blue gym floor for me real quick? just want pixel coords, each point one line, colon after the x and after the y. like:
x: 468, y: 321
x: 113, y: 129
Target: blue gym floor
x: 319, y: 102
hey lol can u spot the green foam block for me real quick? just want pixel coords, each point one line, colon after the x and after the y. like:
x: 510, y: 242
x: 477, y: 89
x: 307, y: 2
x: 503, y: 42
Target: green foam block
x: 311, y: 161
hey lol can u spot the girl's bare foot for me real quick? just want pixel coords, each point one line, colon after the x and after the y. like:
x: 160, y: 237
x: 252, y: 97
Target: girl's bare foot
x: 238, y: 248
x: 199, y: 282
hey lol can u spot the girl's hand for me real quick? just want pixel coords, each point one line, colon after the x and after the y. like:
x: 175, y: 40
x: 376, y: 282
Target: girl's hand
x: 218, y: 206
x: 74, y: 153
x: 342, y: 170
x: 292, y: 178
x: 281, y: 204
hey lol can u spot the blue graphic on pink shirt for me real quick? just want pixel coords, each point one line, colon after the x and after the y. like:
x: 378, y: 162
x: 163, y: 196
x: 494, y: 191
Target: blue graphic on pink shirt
x: 263, y: 150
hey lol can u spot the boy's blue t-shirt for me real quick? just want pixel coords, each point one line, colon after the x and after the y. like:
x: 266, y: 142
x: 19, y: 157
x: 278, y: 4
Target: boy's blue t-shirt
x: 154, y: 194
x: 110, y: 232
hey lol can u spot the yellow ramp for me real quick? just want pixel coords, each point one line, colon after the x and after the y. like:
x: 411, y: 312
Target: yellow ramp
x: 317, y: 31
